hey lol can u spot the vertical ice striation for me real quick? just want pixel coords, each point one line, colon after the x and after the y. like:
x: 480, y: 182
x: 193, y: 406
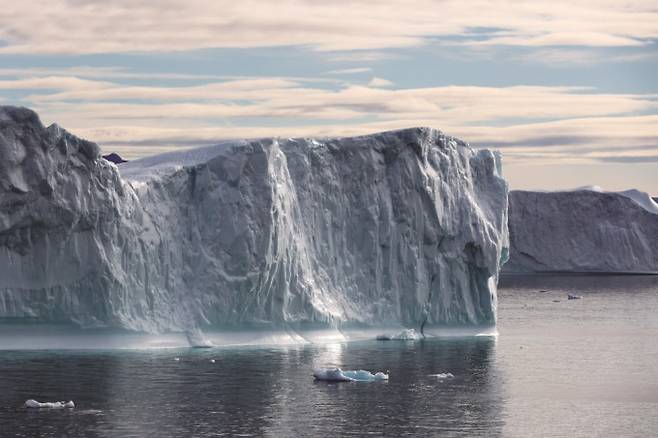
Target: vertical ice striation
x: 405, y: 227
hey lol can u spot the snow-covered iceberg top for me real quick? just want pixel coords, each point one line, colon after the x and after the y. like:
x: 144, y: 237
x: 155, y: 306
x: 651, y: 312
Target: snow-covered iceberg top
x: 643, y: 199
x: 403, y: 228
x: 583, y: 230
x: 338, y: 375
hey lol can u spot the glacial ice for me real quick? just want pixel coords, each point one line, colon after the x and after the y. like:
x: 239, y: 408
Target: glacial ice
x: 31, y: 403
x: 583, y: 230
x: 197, y: 339
x: 338, y: 375
x: 404, y: 335
x: 398, y: 228
x: 442, y: 376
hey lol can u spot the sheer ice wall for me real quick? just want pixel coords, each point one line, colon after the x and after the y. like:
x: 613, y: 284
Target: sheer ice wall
x: 401, y: 227
x: 583, y: 231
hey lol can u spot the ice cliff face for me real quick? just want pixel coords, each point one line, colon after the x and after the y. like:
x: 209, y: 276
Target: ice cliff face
x: 405, y: 227
x: 582, y: 231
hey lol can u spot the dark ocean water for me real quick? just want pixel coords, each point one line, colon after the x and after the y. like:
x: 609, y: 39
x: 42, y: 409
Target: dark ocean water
x: 572, y: 368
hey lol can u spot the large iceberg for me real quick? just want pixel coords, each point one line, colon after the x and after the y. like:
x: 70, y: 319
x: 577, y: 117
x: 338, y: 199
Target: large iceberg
x: 405, y: 228
x: 583, y: 230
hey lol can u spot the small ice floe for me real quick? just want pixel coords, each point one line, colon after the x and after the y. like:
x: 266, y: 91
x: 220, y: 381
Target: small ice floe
x: 176, y: 359
x: 338, y: 375
x: 31, y: 403
x: 197, y: 340
x: 573, y: 297
x: 404, y: 335
x: 212, y: 360
x: 443, y: 376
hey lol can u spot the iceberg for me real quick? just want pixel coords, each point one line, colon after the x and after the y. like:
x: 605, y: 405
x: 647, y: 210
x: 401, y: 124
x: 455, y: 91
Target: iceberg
x: 405, y: 228
x: 583, y: 230
x: 338, y: 375
x: 31, y: 403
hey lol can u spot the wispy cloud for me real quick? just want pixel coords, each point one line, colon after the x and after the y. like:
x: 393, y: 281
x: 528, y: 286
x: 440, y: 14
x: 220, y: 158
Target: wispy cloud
x: 630, y: 159
x: 115, y: 26
x: 379, y: 82
x: 565, y: 124
x: 280, y: 97
x: 350, y: 71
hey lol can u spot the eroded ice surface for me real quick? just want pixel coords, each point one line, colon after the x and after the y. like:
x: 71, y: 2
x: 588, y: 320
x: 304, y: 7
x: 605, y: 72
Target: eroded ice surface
x: 399, y: 228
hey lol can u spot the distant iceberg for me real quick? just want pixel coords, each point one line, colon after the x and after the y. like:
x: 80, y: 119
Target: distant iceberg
x: 583, y: 230
x: 338, y: 375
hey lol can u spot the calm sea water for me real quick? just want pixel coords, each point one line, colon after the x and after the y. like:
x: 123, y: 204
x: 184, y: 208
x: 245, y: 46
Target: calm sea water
x: 573, y: 368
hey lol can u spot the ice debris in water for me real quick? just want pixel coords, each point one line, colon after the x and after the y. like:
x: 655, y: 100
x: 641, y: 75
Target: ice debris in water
x: 573, y: 297
x: 31, y: 403
x: 197, y: 340
x: 404, y: 335
x: 338, y: 375
x: 443, y: 375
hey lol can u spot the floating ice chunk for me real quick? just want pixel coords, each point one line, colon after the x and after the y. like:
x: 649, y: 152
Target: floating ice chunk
x: 197, y: 340
x: 573, y: 297
x: 338, y: 375
x: 176, y: 359
x: 212, y: 360
x: 404, y: 335
x: 31, y: 403
x: 443, y: 375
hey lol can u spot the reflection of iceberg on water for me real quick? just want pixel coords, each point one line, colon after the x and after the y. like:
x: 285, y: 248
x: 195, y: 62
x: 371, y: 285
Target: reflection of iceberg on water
x: 338, y: 375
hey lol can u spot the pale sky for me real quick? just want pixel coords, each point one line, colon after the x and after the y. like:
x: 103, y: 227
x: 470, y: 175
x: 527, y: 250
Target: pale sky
x: 566, y: 90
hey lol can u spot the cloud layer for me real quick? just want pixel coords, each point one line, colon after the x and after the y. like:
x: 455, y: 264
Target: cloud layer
x: 547, y: 123
x: 142, y: 77
x: 115, y: 26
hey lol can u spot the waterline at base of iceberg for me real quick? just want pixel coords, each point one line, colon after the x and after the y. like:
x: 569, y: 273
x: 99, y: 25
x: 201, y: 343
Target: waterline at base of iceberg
x: 67, y: 337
